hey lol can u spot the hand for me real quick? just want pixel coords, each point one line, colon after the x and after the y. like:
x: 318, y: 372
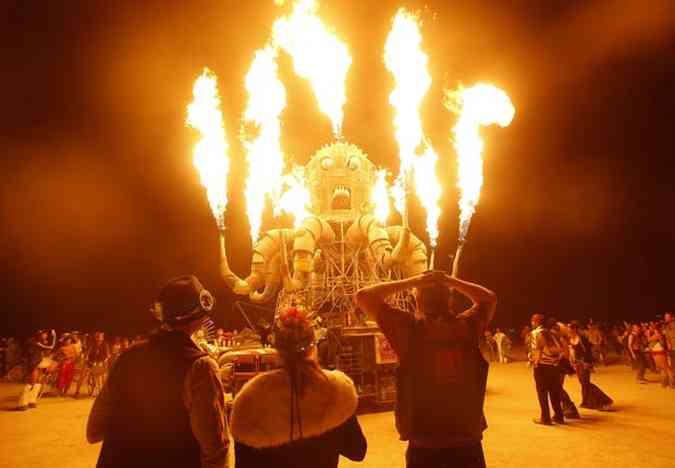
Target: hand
x: 432, y: 278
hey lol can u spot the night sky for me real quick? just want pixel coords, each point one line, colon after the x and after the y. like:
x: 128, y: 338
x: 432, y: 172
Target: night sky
x: 100, y: 203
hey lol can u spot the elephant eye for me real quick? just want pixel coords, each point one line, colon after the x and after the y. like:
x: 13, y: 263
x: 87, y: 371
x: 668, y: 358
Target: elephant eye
x: 354, y: 164
x: 327, y: 163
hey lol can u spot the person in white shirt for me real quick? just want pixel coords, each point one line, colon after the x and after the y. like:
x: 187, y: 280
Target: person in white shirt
x: 502, y: 341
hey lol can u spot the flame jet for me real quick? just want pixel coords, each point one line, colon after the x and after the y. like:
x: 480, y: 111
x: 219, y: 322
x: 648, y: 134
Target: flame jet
x: 211, y: 152
x: 380, y: 197
x: 267, y: 99
x: 404, y: 58
x: 480, y: 105
x: 318, y: 56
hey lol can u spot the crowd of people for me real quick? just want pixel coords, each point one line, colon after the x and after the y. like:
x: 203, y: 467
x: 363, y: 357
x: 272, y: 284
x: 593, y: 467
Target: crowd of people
x: 51, y: 364
x: 299, y: 415
x: 641, y: 345
x: 315, y: 422
x: 555, y: 349
x: 76, y: 364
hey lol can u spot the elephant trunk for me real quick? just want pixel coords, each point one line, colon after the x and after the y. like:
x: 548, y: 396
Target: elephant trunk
x: 312, y: 231
x: 369, y: 229
x: 272, y: 281
x: 263, y: 252
x: 414, y: 254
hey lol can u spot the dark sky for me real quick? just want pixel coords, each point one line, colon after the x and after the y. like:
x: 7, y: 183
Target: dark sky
x: 100, y: 204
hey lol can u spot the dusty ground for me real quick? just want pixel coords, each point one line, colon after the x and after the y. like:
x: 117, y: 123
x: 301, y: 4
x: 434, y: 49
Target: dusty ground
x: 639, y: 433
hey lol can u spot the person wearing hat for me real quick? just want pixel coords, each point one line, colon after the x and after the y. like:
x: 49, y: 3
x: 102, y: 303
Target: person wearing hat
x: 37, y: 360
x: 163, y: 404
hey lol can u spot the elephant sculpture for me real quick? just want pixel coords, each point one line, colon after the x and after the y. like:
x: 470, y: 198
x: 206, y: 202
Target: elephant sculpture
x: 336, y: 250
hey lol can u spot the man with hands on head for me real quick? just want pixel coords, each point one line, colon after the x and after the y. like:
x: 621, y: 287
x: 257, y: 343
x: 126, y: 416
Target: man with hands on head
x: 442, y: 375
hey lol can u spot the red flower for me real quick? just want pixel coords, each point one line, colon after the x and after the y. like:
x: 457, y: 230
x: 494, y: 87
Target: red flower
x: 292, y: 316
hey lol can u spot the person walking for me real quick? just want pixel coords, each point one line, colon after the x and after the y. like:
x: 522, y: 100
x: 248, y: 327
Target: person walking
x: 163, y: 404
x: 565, y: 368
x: 636, y: 348
x: 300, y: 415
x: 659, y: 349
x: 547, y: 353
x: 38, y: 359
x: 581, y: 357
x: 669, y: 333
x: 68, y: 353
x: 501, y: 339
x: 442, y: 375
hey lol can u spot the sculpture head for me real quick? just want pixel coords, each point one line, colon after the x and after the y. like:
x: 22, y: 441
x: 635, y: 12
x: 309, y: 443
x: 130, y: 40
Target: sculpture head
x: 340, y: 179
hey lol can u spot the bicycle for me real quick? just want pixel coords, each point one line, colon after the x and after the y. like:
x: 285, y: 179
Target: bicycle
x: 96, y: 378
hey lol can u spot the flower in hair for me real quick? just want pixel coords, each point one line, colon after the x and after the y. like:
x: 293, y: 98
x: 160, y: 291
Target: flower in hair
x: 292, y: 317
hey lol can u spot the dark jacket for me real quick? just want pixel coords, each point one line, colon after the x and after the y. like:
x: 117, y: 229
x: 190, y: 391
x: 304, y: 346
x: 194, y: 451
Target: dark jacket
x: 583, y: 350
x: 151, y: 425
x: 34, y: 354
x: 260, y: 423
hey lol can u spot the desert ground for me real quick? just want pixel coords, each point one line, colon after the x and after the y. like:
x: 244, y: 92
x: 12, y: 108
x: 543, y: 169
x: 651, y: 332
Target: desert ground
x: 639, y: 432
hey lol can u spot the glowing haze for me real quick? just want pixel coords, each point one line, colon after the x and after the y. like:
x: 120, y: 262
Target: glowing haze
x: 482, y: 104
x: 404, y: 58
x: 295, y: 199
x: 211, y: 151
x: 317, y: 56
x: 266, y: 101
x: 429, y: 191
x: 380, y: 197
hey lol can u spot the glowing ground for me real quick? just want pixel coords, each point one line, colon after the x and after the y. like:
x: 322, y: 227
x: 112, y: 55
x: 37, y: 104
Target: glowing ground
x: 639, y: 433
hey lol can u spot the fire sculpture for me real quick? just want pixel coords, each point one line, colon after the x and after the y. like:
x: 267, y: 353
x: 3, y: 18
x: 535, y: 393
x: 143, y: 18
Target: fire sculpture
x: 339, y: 201
x: 337, y: 249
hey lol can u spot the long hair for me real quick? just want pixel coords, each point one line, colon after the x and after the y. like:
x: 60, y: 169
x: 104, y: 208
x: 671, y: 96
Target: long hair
x: 294, y: 339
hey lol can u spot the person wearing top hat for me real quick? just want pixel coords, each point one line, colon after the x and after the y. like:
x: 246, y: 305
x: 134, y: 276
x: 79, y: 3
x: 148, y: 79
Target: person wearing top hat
x: 163, y: 403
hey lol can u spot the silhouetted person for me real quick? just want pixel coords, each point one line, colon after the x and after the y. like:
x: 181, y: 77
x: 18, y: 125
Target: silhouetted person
x: 37, y: 360
x: 442, y: 375
x: 163, y: 402
x: 300, y: 415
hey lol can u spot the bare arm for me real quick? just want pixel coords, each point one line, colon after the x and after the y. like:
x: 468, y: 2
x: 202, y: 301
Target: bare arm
x: 631, y: 338
x: 482, y: 298
x: 539, y: 345
x: 51, y: 346
x: 372, y: 298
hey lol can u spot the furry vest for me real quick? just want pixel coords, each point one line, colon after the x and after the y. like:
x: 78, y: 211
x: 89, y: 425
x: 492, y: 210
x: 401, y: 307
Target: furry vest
x: 261, y: 414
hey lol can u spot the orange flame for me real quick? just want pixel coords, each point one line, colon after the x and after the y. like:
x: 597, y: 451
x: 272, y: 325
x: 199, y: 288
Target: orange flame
x: 380, y: 197
x: 210, y: 153
x: 404, y: 58
x: 317, y: 56
x: 429, y: 191
x: 295, y: 198
x: 482, y: 104
x: 267, y: 99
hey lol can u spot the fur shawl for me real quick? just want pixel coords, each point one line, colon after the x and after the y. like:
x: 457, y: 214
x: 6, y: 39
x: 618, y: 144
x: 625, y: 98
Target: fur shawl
x: 261, y: 411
